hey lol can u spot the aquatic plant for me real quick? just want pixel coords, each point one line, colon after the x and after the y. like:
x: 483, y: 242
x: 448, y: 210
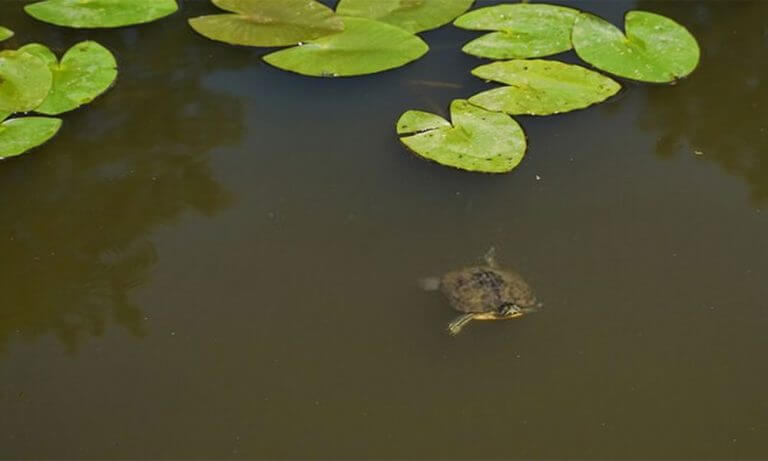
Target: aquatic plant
x: 412, y: 15
x: 523, y: 30
x: 364, y: 47
x: 33, y: 79
x: 18, y: 135
x: 361, y: 37
x: 541, y: 87
x: 654, y: 49
x: 92, y: 14
x: 476, y: 140
x: 86, y: 71
x: 5, y: 33
x: 368, y: 36
x: 268, y: 22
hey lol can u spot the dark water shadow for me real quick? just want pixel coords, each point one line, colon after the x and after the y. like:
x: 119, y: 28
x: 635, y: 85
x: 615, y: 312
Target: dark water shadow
x: 718, y: 113
x: 77, y: 214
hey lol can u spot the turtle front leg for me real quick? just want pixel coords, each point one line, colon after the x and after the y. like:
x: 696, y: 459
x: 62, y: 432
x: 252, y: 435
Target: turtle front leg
x: 458, y: 323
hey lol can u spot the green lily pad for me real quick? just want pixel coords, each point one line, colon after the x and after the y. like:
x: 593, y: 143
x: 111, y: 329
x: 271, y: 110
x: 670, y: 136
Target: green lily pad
x: 541, y: 87
x: 478, y: 140
x: 25, y: 81
x: 411, y: 15
x: 365, y: 47
x: 655, y: 48
x: 86, y: 71
x: 19, y: 135
x: 268, y: 22
x: 100, y: 13
x: 525, y: 30
x: 5, y: 33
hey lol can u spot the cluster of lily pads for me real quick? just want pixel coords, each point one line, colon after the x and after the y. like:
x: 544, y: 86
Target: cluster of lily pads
x: 360, y: 37
x: 33, y: 79
x: 483, y: 136
x: 367, y: 36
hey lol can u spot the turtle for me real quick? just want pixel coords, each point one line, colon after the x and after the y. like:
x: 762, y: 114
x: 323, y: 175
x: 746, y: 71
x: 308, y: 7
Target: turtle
x: 485, y: 292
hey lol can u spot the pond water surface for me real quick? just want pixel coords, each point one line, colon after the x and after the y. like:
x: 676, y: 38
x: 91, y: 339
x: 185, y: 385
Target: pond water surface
x: 219, y: 259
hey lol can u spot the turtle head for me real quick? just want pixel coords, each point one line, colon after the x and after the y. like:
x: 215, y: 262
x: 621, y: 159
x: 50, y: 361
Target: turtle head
x: 509, y: 311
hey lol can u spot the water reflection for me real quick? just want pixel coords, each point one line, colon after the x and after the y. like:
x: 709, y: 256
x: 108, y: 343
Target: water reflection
x: 719, y: 111
x: 77, y: 215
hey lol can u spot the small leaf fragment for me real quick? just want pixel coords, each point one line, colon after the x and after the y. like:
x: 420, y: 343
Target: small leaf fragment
x: 655, y: 48
x: 86, y: 71
x: 19, y: 135
x: 5, y: 33
x: 268, y: 22
x: 541, y: 87
x: 477, y: 140
x: 412, y: 15
x: 524, y: 30
x: 364, y: 47
x: 25, y: 81
x: 100, y: 13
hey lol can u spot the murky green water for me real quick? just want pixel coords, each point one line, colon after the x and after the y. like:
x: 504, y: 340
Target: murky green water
x: 209, y: 262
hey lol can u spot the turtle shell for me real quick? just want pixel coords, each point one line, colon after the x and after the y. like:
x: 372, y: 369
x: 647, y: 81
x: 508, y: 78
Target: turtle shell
x: 485, y: 289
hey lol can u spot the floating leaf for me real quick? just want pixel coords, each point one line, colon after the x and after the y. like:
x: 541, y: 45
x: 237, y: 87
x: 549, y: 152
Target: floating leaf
x: 25, y: 81
x: 478, y: 140
x: 100, y: 13
x: 268, y: 22
x: 5, y: 33
x: 525, y: 30
x: 411, y: 15
x: 655, y: 49
x: 86, y: 71
x: 18, y: 135
x: 416, y: 121
x: 541, y: 87
x: 365, y: 47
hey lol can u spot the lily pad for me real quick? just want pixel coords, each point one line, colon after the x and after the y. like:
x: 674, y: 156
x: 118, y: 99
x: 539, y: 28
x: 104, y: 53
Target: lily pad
x: 478, y: 140
x: 525, y: 30
x: 19, y: 135
x: 268, y: 22
x: 365, y: 47
x: 100, y: 13
x: 25, y: 81
x: 5, y: 33
x: 86, y: 71
x: 541, y: 87
x: 655, y: 48
x: 411, y: 15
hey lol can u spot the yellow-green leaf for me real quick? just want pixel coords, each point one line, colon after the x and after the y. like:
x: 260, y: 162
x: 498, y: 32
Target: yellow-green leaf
x: 411, y: 15
x: 541, y: 87
x: 5, y: 33
x: 365, y: 47
x: 86, y: 71
x: 477, y: 140
x: 268, y: 22
x: 25, y: 81
x: 525, y: 30
x: 654, y: 49
x: 100, y: 13
x: 19, y: 135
